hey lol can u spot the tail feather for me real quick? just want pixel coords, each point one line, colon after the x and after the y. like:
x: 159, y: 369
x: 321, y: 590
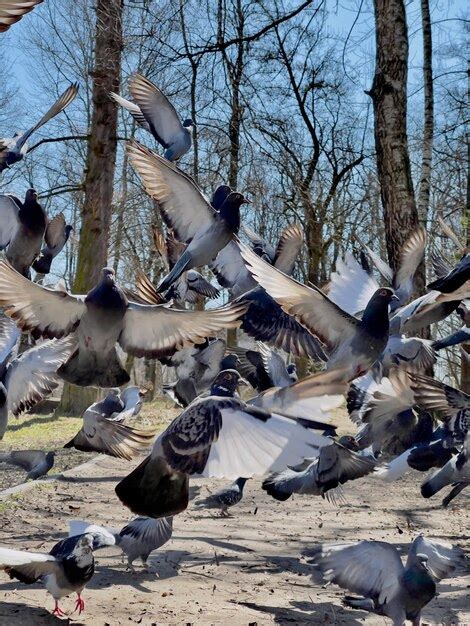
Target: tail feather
x: 153, y: 489
x: 85, y: 368
x: 179, y: 267
x: 438, y: 481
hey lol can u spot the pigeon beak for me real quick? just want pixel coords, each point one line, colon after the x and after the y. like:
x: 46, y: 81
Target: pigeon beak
x: 246, y: 201
x: 242, y: 382
x: 395, y: 298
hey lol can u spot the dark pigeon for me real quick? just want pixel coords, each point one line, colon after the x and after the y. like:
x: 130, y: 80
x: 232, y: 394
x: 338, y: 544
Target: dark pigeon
x: 26, y: 242
x: 35, y: 462
x: 56, y: 236
x: 454, y: 279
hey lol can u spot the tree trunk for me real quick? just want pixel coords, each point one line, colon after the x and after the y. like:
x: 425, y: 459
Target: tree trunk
x: 99, y: 173
x: 428, y: 126
x: 388, y: 95
x: 465, y: 357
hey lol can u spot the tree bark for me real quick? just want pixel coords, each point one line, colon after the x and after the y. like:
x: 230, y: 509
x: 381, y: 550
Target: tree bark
x: 388, y: 95
x: 465, y: 357
x: 99, y: 170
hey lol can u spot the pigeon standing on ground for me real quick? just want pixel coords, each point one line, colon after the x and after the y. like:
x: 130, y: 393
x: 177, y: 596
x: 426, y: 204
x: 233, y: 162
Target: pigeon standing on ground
x: 103, y: 318
x: 25, y: 243
x: 217, y: 436
x: 35, y: 462
x: 14, y: 149
x: 154, y: 112
x: 11, y: 11
x: 374, y: 570
x: 56, y: 236
x: 137, y: 539
x: 65, y: 570
x: 224, y: 498
x: 355, y: 344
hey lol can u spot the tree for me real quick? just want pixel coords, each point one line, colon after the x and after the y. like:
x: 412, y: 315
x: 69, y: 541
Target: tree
x: 97, y: 205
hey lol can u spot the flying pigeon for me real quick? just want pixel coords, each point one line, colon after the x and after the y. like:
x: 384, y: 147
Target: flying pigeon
x: 103, y: 318
x: 35, y: 462
x: 56, y: 236
x: 11, y: 11
x: 30, y: 377
x: 455, y: 278
x: 375, y: 570
x: 459, y: 336
x: 154, y: 112
x: 263, y: 368
x: 22, y: 240
x: 224, y: 498
x: 102, y: 433
x: 66, y: 569
x: 137, y: 539
x: 217, y: 436
x: 335, y: 465
x: 14, y: 149
x: 456, y: 472
x: 353, y: 343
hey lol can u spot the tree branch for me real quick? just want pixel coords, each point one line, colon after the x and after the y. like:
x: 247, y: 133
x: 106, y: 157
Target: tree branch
x: 57, y: 139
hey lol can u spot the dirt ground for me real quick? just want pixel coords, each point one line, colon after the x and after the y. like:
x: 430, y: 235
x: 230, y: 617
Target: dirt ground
x: 251, y: 568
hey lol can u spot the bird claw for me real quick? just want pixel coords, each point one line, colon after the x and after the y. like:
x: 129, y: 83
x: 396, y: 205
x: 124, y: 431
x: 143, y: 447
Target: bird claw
x: 79, y: 605
x: 57, y: 612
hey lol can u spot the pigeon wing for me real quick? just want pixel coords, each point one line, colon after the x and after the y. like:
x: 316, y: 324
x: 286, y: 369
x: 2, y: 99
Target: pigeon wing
x: 55, y: 232
x: 443, y: 558
x: 350, y: 286
x: 288, y: 248
x: 11, y: 11
x: 9, y: 336
x: 45, y: 312
x: 436, y: 396
x: 132, y: 108
x: 27, y: 565
x: 410, y: 258
x: 153, y: 532
x: 8, y: 218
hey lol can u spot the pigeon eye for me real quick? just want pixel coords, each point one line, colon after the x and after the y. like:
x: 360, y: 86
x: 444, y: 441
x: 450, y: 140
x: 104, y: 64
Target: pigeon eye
x: 383, y: 292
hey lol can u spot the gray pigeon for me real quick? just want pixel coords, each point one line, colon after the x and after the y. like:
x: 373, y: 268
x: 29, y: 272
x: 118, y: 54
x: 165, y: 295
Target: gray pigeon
x: 354, y: 343
x: 56, y: 236
x: 336, y: 464
x: 14, y: 149
x: 263, y: 368
x: 11, y: 11
x: 103, y: 318
x: 224, y: 498
x: 154, y: 112
x: 455, y: 472
x: 137, y: 539
x: 31, y: 377
x: 26, y: 241
x: 455, y: 278
x: 375, y: 570
x: 217, y: 436
x: 35, y: 462
x: 65, y: 570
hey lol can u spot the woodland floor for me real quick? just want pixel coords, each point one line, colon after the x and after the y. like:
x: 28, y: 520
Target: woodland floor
x: 248, y: 569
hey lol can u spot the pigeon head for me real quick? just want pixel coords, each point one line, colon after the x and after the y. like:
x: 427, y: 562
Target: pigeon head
x: 108, y: 275
x: 225, y: 383
x: 84, y: 545
x: 31, y: 195
x: 50, y: 457
x: 385, y: 294
x: 241, y: 482
x: 68, y: 230
x: 230, y: 209
x: 349, y: 442
x: 188, y: 123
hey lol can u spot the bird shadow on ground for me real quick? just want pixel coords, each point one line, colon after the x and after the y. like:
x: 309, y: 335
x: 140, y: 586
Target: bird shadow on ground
x: 89, y: 479
x: 303, y: 612
x: 26, y: 423
x: 28, y: 615
x: 224, y: 545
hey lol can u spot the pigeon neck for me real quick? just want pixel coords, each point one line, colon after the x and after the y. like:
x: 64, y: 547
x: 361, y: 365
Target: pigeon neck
x: 375, y: 319
x: 241, y: 482
x: 32, y: 215
x: 230, y: 213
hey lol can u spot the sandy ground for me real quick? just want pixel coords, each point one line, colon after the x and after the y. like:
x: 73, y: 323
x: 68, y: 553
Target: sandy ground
x: 247, y: 569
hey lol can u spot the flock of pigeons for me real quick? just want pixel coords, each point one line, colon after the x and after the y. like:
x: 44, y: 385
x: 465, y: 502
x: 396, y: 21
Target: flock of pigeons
x: 360, y: 329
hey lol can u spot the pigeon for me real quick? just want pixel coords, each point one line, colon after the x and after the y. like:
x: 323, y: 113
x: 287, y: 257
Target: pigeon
x: 375, y: 570
x: 102, y: 433
x: 154, y: 112
x: 353, y: 343
x: 30, y: 377
x: 455, y: 278
x: 103, y: 318
x: 137, y: 539
x: 132, y: 398
x: 285, y: 254
x: 219, y: 436
x: 56, y: 236
x: 11, y: 11
x: 35, y: 462
x: 66, y: 569
x: 14, y: 149
x: 456, y: 472
x: 460, y: 336
x: 24, y: 242
x: 335, y: 465
x: 224, y: 498
x: 263, y: 368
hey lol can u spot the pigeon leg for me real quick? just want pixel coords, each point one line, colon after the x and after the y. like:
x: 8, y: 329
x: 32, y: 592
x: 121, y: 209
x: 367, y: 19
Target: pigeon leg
x: 57, y: 612
x: 79, y: 604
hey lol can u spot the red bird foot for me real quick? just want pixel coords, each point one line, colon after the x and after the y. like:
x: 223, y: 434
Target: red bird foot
x: 57, y: 612
x: 79, y: 604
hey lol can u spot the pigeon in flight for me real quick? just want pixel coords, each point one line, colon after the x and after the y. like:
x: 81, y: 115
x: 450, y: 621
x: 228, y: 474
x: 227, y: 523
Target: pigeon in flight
x: 456, y: 472
x: 375, y: 570
x: 14, y: 149
x: 263, y: 368
x: 335, y: 465
x: 354, y: 343
x: 65, y: 570
x: 455, y: 278
x: 218, y: 436
x: 23, y: 239
x: 154, y: 112
x: 35, y: 462
x: 11, y: 11
x: 30, y: 377
x: 103, y: 318
x: 137, y: 539
x: 224, y: 498
x: 103, y: 433
x: 56, y: 236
